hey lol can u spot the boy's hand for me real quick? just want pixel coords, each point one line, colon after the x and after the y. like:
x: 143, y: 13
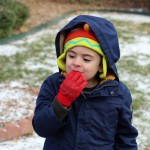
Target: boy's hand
x: 71, y: 88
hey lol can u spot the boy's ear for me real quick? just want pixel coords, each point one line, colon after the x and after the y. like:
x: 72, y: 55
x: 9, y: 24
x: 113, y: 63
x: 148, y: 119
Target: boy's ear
x: 100, y: 69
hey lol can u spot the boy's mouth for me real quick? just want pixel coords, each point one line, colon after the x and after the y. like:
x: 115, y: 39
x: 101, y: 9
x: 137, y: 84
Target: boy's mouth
x: 77, y: 71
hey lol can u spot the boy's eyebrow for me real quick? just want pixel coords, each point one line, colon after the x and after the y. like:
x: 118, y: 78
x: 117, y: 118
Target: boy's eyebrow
x: 83, y: 54
x: 71, y: 51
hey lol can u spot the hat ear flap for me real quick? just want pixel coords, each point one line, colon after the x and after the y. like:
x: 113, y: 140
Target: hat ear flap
x: 61, y: 42
x: 61, y: 61
x: 104, y: 64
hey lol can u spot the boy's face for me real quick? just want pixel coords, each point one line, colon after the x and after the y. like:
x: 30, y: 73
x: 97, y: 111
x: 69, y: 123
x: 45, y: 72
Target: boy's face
x: 84, y: 60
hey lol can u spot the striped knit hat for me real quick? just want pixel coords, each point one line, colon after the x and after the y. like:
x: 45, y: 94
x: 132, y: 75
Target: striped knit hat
x: 82, y: 37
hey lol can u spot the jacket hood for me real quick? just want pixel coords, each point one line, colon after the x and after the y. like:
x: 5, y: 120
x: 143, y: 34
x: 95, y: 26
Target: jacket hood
x: 105, y: 32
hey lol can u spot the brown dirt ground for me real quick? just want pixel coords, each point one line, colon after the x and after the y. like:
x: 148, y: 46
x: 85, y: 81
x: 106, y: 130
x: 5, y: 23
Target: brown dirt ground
x: 43, y: 11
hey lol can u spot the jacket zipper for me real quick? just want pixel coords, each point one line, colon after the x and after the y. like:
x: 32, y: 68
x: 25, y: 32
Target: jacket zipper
x: 104, y: 86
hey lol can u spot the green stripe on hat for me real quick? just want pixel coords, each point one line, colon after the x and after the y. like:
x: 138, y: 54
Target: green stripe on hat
x: 86, y: 42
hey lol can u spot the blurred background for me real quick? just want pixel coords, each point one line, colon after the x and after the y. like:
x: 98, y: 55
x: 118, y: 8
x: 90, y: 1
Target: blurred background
x: 27, y: 56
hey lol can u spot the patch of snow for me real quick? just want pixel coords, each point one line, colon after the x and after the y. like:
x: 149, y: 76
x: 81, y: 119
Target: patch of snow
x: 144, y: 87
x: 12, y: 84
x: 143, y: 60
x: 8, y: 50
x: 15, y: 84
x: 16, y: 99
x: 123, y: 16
x: 141, y: 83
x: 36, y: 66
x: 140, y: 46
x: 33, y: 142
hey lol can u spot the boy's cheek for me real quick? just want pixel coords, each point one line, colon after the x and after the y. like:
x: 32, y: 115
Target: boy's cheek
x: 67, y: 68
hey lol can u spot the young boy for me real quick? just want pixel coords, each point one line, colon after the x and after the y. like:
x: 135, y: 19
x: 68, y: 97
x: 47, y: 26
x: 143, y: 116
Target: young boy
x: 85, y: 106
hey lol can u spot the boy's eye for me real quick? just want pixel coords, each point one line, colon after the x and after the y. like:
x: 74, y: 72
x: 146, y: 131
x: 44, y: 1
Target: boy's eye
x: 86, y: 59
x: 71, y: 56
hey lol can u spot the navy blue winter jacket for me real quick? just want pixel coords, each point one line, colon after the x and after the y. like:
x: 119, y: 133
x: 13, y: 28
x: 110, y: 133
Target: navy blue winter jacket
x: 99, y: 120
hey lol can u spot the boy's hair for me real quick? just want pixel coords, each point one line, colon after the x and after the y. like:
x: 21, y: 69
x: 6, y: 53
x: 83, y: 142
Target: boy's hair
x: 82, y: 37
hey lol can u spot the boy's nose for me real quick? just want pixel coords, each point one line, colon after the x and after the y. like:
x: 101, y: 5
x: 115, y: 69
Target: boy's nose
x: 77, y: 62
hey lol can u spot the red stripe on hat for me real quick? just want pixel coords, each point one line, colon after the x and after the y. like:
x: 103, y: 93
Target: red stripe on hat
x: 80, y: 33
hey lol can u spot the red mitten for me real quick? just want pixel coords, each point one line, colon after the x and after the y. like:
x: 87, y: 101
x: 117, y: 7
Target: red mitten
x: 71, y: 88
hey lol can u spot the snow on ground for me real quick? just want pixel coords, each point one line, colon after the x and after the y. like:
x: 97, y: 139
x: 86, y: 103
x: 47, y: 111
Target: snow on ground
x: 142, y: 46
x: 127, y: 17
x: 9, y: 92
x: 16, y: 99
x: 33, y: 142
x: 9, y: 50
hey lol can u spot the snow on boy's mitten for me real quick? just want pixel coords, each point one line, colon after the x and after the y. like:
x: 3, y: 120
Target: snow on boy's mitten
x: 71, y: 88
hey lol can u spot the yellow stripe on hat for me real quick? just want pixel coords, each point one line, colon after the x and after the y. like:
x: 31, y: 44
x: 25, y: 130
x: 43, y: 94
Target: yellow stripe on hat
x: 86, y: 42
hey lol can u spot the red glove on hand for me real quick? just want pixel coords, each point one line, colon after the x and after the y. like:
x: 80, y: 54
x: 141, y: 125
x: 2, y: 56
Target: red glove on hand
x: 71, y: 88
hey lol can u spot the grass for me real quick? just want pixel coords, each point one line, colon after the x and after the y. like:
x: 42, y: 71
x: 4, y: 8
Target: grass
x: 136, y: 73
x: 130, y: 64
x: 127, y: 29
x: 15, y: 68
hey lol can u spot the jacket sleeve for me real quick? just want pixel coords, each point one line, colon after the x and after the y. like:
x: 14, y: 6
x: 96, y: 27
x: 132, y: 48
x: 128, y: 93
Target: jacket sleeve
x: 126, y: 132
x: 45, y: 121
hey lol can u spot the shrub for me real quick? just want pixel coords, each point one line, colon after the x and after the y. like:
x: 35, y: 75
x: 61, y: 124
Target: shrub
x: 22, y: 13
x: 7, y: 22
x: 5, y: 32
x: 12, y: 15
x: 5, y: 2
x: 7, y: 18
